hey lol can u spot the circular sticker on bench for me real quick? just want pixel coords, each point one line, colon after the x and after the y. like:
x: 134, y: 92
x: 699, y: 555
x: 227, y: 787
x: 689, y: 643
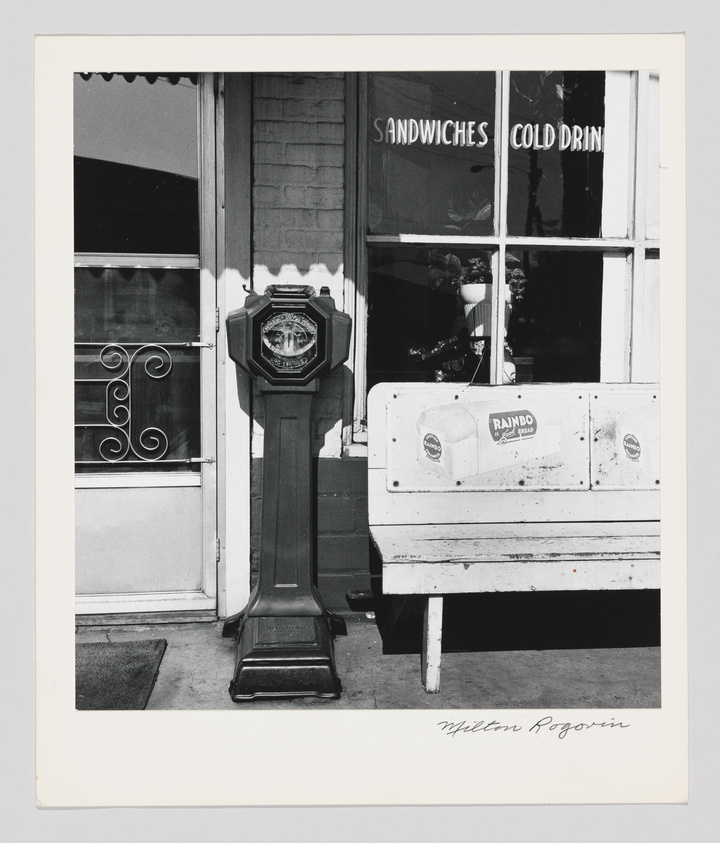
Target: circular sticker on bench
x: 632, y: 447
x: 432, y: 446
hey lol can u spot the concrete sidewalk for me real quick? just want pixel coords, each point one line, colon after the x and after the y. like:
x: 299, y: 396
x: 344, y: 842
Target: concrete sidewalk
x: 198, y: 665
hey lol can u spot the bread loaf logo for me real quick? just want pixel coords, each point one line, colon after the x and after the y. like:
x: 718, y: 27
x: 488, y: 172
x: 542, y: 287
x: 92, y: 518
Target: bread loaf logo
x: 632, y: 447
x: 512, y: 426
x: 432, y: 446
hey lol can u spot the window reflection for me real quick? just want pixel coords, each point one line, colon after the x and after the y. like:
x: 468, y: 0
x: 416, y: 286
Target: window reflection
x: 555, y: 179
x: 554, y: 329
x: 422, y: 328
x: 431, y: 153
x: 136, y: 165
x: 145, y: 305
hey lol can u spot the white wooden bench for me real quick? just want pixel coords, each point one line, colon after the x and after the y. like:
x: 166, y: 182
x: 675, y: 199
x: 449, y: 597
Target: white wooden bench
x: 575, y: 509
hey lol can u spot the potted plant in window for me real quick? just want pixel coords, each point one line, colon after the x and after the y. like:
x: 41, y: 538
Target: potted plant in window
x: 475, y: 291
x: 473, y: 285
x: 463, y: 353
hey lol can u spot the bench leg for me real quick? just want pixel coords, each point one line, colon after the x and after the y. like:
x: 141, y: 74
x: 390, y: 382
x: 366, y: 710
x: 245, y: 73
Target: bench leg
x: 432, y: 644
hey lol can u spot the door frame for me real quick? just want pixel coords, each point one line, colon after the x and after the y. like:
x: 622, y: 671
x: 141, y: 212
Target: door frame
x: 202, y: 604
x: 234, y: 392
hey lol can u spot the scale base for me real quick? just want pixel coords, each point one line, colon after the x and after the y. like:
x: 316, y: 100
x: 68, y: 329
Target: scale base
x: 285, y: 657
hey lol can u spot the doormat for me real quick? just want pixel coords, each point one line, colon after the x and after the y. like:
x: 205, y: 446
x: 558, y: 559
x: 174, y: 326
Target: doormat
x: 114, y: 676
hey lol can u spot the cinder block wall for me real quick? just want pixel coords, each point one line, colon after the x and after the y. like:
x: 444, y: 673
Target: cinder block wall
x: 298, y: 228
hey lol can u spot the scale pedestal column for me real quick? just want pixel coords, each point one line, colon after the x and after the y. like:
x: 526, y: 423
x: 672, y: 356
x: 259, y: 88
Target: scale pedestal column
x: 287, y: 338
x: 285, y: 644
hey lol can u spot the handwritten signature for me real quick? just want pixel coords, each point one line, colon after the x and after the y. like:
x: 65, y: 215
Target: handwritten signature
x: 547, y: 724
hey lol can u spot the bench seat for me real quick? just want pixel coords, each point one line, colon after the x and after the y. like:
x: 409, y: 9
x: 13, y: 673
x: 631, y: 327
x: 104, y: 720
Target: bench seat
x: 459, y: 558
x: 439, y: 559
x: 437, y: 537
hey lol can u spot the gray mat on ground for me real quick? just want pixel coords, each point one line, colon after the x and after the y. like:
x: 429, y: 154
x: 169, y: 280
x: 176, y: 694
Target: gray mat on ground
x: 110, y: 676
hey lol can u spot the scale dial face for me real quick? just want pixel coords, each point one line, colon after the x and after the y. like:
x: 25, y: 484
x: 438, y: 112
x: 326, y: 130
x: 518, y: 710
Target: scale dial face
x: 289, y: 341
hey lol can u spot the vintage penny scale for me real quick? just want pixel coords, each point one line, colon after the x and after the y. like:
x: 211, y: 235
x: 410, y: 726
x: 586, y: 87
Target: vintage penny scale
x: 287, y: 339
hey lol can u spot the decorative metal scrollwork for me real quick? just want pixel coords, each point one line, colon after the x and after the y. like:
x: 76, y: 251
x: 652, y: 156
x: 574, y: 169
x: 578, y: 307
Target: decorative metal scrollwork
x: 123, y: 441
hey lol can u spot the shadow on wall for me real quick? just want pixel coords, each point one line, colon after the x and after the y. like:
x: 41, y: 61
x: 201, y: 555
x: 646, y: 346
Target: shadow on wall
x: 302, y: 267
x: 315, y: 275
x: 327, y: 413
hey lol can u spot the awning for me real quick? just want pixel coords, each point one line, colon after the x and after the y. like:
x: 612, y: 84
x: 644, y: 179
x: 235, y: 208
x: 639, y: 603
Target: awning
x: 172, y: 78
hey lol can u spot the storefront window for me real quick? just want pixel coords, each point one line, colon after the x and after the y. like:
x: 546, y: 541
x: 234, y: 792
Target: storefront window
x: 554, y: 329
x: 563, y: 197
x: 423, y: 328
x: 431, y: 153
x: 555, y: 153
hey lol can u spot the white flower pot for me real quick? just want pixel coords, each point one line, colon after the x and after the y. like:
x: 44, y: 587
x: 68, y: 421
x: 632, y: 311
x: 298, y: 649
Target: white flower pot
x: 477, y: 303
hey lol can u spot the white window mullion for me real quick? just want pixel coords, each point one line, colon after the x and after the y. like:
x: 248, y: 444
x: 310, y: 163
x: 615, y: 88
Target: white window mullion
x: 641, y: 157
x: 500, y: 197
x: 617, y: 318
x: 639, y: 316
x: 652, y: 191
x: 497, y: 341
x: 618, y: 154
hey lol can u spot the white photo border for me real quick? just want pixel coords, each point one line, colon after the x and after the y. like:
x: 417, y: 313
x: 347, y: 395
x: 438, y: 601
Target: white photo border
x: 203, y: 758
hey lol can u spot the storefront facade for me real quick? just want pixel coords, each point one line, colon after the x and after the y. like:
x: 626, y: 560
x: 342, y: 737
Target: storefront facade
x: 398, y: 192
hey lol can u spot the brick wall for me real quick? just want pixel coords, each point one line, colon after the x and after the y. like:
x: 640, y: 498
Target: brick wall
x: 298, y: 206
x: 298, y: 152
x: 298, y: 219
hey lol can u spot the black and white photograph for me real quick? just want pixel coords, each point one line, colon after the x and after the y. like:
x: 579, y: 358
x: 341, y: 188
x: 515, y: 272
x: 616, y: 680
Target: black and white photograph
x: 435, y: 414
x: 366, y: 410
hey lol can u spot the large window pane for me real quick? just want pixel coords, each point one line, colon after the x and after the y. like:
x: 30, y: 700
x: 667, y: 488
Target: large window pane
x: 431, y: 153
x: 555, y: 327
x: 419, y: 328
x: 555, y: 180
x: 136, y: 164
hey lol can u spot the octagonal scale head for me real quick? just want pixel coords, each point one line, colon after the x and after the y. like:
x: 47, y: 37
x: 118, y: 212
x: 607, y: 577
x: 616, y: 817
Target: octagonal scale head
x: 288, y: 335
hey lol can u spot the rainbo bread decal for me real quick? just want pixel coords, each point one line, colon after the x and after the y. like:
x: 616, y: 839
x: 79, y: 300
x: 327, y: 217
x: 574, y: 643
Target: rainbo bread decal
x: 637, y: 437
x: 459, y: 441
